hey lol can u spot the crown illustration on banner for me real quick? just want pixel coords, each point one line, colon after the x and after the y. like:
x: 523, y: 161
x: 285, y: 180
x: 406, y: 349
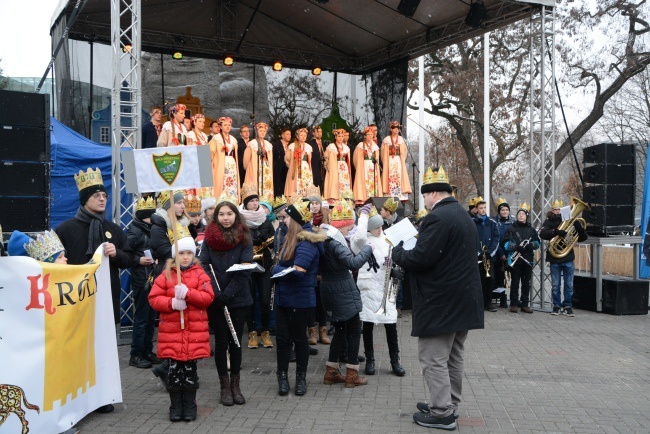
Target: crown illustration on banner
x: 558, y: 203
x: 501, y: 201
x: 249, y: 189
x: 390, y: 204
x: 478, y: 199
x: 302, y: 206
x: 341, y: 211
x: 225, y: 197
x: 193, y: 204
x: 183, y: 232
x: 525, y: 207
x: 435, y: 176
x: 88, y: 179
x: 163, y: 197
x: 44, y: 246
x: 347, y: 195
x: 145, y: 204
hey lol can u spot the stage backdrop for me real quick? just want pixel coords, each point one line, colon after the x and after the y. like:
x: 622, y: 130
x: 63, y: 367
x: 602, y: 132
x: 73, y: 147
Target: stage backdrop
x: 57, y: 343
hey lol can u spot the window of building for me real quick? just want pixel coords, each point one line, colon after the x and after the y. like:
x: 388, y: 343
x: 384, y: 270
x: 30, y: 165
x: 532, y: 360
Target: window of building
x: 104, y: 135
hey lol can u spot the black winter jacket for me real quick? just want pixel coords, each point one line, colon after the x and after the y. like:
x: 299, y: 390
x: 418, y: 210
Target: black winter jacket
x: 515, y: 236
x: 261, y: 234
x: 139, y: 237
x: 488, y: 236
x: 549, y: 230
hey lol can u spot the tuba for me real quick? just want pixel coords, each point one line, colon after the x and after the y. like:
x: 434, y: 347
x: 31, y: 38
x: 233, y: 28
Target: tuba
x: 559, y: 246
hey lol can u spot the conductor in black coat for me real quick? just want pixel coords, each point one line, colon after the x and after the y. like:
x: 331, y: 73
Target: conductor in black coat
x: 447, y: 297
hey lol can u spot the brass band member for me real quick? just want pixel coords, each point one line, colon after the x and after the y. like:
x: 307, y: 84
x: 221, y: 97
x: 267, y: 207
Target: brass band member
x: 488, y: 235
x: 367, y: 180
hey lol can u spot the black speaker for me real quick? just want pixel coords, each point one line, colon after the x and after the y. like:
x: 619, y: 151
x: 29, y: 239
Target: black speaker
x: 610, y: 215
x: 584, y: 293
x: 609, y: 194
x: 609, y: 153
x: 609, y: 174
x: 24, y: 144
x: 625, y: 296
x: 24, y: 179
x: 27, y: 214
x: 25, y: 109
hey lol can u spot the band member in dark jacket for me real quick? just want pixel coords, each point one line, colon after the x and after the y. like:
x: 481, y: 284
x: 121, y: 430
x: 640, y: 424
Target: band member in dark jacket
x: 318, y: 146
x: 488, y: 236
x: 520, y: 241
x: 560, y: 266
x: 447, y: 297
x: 504, y: 221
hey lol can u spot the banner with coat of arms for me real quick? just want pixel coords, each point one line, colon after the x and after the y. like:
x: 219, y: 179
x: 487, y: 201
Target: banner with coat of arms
x: 58, y: 350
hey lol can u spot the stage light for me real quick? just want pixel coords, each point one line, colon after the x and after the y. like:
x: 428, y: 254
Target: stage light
x: 228, y: 61
x: 177, y: 55
x: 477, y: 15
x: 127, y: 48
x: 316, y: 71
x: 277, y: 66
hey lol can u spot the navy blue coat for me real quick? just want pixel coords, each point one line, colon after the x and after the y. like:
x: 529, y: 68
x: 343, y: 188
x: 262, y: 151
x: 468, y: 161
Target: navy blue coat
x: 503, y: 225
x: 488, y: 235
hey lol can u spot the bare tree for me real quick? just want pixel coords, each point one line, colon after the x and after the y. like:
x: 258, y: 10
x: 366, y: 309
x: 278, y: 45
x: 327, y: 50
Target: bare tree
x: 4, y: 83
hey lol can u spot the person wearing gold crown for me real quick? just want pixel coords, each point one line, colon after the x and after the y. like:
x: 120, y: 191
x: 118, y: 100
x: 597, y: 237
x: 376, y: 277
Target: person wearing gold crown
x: 173, y: 132
x: 367, y: 179
x: 504, y: 222
x: 340, y: 296
x: 161, y: 224
x: 338, y: 176
x: 89, y: 229
x: 472, y: 206
x: 144, y: 319
x: 295, y: 293
x: 228, y: 242
x: 447, y: 297
x: 261, y: 231
x: 488, y: 234
x: 561, y: 266
x: 193, y: 210
x: 298, y: 160
x: 388, y: 212
x: 522, y: 239
x: 45, y: 248
x: 370, y: 282
x: 225, y: 166
x: 395, y: 178
x: 260, y: 151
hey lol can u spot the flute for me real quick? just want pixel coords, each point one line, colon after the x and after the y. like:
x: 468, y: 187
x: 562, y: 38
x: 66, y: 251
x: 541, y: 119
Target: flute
x: 226, y: 313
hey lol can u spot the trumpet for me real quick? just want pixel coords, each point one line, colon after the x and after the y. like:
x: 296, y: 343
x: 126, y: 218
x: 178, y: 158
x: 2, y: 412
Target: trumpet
x: 258, y: 251
x: 486, y: 262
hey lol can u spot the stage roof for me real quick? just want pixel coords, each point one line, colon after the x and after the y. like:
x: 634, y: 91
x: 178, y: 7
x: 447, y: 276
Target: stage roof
x: 352, y: 36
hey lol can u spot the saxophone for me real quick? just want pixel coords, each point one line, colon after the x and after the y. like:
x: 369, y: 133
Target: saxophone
x: 258, y: 251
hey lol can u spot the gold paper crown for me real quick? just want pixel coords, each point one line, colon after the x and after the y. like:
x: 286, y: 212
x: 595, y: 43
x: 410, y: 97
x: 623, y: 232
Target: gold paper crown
x: 501, y: 201
x: 183, y: 232
x: 224, y: 197
x: 302, y: 206
x: 312, y: 191
x: 163, y: 197
x: 525, y: 207
x: 478, y: 199
x: 472, y: 201
x: 279, y: 201
x: 44, y: 246
x: 193, y: 204
x: 341, y: 211
x: 421, y: 214
x: 434, y: 177
x: 373, y: 212
x: 88, y: 179
x: 559, y: 203
x: 347, y: 195
x: 143, y: 204
x: 248, y: 189
x: 390, y: 205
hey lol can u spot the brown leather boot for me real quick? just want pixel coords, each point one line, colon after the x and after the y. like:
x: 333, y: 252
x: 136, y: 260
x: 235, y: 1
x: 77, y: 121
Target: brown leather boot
x: 324, y: 339
x: 226, y: 392
x: 312, y: 339
x: 332, y: 374
x: 237, y: 397
x: 352, y: 378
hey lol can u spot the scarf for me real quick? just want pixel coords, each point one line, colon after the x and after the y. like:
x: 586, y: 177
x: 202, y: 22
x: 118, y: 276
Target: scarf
x: 254, y: 219
x: 184, y: 221
x: 95, y: 226
x: 214, y: 238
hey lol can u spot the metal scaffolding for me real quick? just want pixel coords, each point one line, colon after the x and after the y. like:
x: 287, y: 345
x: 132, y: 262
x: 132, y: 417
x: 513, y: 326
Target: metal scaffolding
x: 126, y: 108
x: 542, y: 137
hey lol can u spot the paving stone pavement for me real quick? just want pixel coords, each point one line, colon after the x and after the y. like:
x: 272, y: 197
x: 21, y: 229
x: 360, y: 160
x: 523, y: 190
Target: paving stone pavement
x: 523, y: 373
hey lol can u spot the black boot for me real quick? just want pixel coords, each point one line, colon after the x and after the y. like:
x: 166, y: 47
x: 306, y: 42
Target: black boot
x: 283, y: 383
x: 301, y: 383
x: 393, y: 350
x: 237, y: 396
x: 370, y: 363
x: 189, y: 405
x: 162, y: 371
x: 397, y: 368
x: 176, y: 407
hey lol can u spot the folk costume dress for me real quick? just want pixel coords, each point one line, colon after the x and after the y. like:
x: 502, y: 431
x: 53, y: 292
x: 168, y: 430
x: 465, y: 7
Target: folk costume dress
x: 395, y: 179
x: 367, y: 179
x: 172, y: 134
x: 300, y: 177
x: 251, y: 166
x: 338, y: 177
x: 197, y: 138
x: 225, y: 173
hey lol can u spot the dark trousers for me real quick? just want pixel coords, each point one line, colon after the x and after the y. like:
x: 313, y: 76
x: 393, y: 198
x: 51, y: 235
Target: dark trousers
x: 182, y: 375
x: 524, y: 273
x: 144, y: 321
x: 391, y: 339
x: 500, y: 279
x: 261, y: 292
x: 348, y: 331
x: 487, y: 283
x: 317, y: 314
x: 291, y: 324
x: 223, y: 341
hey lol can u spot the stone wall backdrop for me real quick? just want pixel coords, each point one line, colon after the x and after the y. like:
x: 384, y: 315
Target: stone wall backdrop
x: 224, y: 91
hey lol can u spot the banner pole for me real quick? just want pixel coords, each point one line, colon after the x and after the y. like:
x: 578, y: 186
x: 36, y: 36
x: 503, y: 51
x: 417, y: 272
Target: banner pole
x: 172, y: 217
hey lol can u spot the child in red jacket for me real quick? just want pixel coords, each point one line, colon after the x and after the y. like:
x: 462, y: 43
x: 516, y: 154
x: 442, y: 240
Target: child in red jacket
x: 182, y: 346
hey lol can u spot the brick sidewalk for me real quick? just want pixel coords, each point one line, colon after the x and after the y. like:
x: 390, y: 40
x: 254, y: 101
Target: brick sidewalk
x: 523, y: 373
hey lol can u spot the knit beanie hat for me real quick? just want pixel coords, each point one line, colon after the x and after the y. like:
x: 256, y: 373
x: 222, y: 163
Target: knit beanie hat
x: 375, y: 222
x: 208, y: 202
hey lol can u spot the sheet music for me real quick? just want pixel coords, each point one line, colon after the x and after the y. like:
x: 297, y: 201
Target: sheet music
x: 283, y: 272
x: 565, y: 212
x: 254, y: 267
x: 401, y: 231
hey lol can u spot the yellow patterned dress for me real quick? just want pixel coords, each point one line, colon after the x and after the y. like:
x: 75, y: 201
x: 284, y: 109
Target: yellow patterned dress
x: 300, y: 176
x: 395, y: 177
x: 337, y: 179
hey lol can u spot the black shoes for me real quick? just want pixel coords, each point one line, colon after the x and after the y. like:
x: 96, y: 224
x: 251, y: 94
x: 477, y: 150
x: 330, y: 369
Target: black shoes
x: 430, y: 421
x: 140, y: 362
x: 568, y: 312
x: 490, y: 308
x: 283, y: 383
x: 162, y: 371
x: 313, y: 351
x: 397, y: 368
x: 108, y: 408
x: 556, y: 310
x: 424, y: 408
x: 301, y: 383
x: 370, y: 365
x: 152, y: 358
x: 189, y: 405
x: 176, y: 406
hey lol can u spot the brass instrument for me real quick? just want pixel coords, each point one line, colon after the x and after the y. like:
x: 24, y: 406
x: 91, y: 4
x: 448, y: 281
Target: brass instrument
x: 516, y: 255
x: 559, y: 246
x: 486, y: 262
x: 390, y: 285
x: 258, y: 251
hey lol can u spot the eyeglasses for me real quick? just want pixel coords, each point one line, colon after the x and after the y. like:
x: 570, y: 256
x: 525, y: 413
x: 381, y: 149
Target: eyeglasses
x: 99, y: 196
